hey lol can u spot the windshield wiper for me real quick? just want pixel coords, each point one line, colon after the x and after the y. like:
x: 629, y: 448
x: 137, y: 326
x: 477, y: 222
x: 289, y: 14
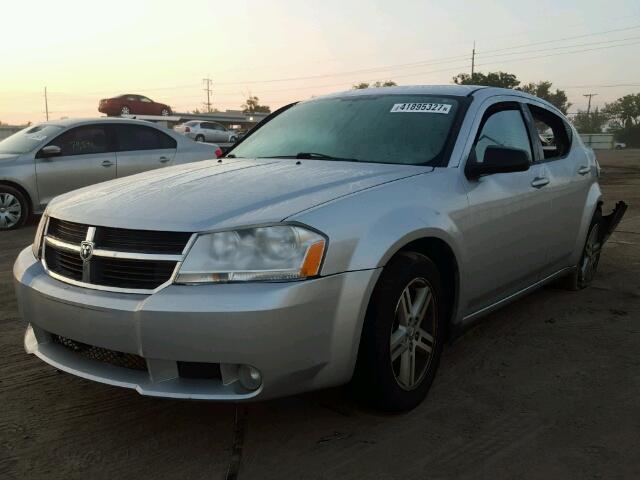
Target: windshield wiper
x: 322, y: 156
x: 314, y: 156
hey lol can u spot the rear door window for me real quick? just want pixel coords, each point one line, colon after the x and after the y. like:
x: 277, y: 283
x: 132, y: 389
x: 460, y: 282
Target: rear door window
x: 554, y: 135
x: 140, y: 137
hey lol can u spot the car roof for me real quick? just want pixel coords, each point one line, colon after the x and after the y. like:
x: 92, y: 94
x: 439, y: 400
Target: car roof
x: 453, y: 90
x: 72, y: 122
x: 476, y: 91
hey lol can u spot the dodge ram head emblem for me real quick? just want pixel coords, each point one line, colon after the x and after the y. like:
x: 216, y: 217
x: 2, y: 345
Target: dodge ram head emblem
x: 86, y: 250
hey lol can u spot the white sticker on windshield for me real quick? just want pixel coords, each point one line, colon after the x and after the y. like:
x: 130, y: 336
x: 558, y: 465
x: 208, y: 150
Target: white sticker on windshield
x: 421, y: 108
x: 36, y: 137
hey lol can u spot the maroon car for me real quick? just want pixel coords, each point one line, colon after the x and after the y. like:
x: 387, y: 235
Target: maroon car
x: 132, y: 104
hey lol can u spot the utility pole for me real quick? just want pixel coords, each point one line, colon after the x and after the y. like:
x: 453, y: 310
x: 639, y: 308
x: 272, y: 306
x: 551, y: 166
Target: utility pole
x: 207, y: 81
x: 589, y: 95
x: 46, y: 104
x: 473, y: 59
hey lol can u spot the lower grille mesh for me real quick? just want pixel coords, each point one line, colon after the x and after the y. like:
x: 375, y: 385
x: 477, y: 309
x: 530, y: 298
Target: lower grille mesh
x: 104, y: 355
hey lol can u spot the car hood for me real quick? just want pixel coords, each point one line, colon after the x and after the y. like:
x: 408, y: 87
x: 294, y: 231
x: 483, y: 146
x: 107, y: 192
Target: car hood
x: 210, y: 195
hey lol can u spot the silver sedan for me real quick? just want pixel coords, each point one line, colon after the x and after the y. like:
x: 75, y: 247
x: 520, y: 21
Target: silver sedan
x: 347, y: 250
x: 207, y: 132
x: 48, y: 159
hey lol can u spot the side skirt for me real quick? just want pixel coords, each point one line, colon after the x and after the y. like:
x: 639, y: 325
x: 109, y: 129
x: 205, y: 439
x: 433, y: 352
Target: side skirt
x: 472, y: 318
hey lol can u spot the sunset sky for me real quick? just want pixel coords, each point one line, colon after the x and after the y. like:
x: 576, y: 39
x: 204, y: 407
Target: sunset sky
x: 285, y: 50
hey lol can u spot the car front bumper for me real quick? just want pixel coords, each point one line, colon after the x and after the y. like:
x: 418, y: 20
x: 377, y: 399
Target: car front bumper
x: 300, y: 335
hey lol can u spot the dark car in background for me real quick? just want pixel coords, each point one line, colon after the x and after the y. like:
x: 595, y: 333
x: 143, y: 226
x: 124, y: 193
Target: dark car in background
x: 129, y: 104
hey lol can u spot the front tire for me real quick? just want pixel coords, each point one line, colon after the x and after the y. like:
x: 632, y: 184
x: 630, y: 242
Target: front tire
x: 125, y: 110
x: 165, y: 112
x: 403, y: 334
x: 199, y: 138
x: 14, y: 208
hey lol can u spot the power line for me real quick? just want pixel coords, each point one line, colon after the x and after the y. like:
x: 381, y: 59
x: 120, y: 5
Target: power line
x: 590, y: 96
x: 562, y: 53
x: 46, y: 104
x: 473, y: 58
x: 560, y: 48
x: 207, y: 81
x: 617, y: 85
x: 593, y: 34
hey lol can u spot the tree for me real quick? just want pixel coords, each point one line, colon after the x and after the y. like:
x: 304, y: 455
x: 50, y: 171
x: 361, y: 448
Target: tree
x: 624, y: 112
x: 252, y: 105
x: 491, y: 79
x: 378, y: 84
x: 543, y: 90
x: 592, y: 122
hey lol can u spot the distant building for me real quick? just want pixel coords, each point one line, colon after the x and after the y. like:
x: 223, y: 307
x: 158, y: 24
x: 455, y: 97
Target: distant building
x: 598, y: 141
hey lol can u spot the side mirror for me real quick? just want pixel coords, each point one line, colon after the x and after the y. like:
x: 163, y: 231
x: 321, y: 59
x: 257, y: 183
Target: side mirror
x: 497, y: 160
x: 50, y: 151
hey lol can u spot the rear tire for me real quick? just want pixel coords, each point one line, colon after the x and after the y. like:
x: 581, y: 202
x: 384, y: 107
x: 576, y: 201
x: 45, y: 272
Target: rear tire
x: 14, y: 208
x: 588, y: 265
x: 125, y: 110
x: 399, y: 353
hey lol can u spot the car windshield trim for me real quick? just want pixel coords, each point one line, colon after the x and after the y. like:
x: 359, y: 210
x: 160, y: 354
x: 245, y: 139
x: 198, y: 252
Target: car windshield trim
x: 437, y: 152
x: 29, y: 138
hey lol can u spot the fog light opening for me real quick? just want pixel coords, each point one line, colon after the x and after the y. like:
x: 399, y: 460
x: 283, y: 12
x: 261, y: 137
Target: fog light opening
x: 250, y: 377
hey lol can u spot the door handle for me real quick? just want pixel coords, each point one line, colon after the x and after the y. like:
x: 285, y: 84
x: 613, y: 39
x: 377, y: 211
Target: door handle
x: 583, y: 170
x: 539, y: 182
x: 163, y: 159
x: 107, y: 163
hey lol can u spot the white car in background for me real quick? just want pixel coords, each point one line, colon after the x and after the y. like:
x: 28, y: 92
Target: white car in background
x: 49, y: 159
x: 201, y: 131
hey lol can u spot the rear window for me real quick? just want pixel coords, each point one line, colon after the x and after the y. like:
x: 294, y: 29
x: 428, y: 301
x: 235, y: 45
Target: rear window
x: 28, y: 139
x: 406, y: 129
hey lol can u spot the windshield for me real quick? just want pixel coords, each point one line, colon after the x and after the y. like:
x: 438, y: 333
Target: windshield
x: 406, y: 129
x: 29, y: 138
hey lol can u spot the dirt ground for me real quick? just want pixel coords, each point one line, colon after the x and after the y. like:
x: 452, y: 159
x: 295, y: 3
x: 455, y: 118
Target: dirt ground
x: 548, y: 387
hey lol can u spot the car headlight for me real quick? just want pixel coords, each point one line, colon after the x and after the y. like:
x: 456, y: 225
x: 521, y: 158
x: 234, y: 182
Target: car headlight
x: 278, y: 252
x: 36, y: 247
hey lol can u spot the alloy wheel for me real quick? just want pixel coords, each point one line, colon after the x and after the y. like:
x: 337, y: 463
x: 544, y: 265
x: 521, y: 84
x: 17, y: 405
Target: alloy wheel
x: 591, y: 255
x: 413, y: 333
x: 10, y: 211
x: 125, y: 111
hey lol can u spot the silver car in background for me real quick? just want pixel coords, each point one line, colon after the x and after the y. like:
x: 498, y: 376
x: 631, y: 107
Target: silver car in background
x: 345, y: 239
x: 48, y: 159
x: 201, y: 131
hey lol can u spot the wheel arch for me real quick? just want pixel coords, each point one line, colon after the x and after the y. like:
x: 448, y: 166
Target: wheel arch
x: 440, y: 252
x: 592, y: 204
x: 22, y: 190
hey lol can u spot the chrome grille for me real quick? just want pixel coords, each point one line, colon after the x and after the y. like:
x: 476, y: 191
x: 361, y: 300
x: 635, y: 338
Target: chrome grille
x: 68, y: 231
x: 117, y: 259
x: 68, y: 264
x: 141, y: 241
